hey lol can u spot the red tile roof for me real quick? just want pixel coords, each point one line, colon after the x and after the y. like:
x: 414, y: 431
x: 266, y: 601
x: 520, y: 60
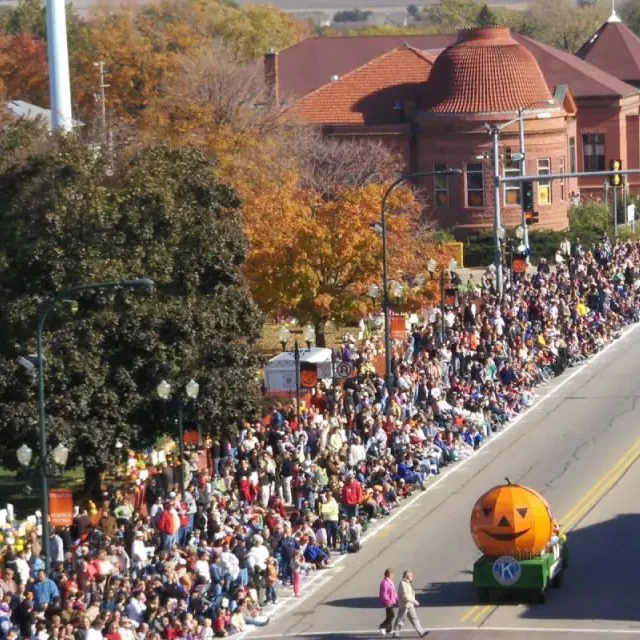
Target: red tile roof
x: 614, y: 48
x: 369, y: 94
x: 487, y: 71
x: 310, y: 64
x: 585, y: 80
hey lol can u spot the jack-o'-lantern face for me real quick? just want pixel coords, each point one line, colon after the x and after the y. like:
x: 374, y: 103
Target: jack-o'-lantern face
x: 511, y: 519
x: 308, y: 379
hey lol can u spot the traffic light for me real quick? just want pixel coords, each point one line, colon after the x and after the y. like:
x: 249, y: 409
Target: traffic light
x: 508, y: 158
x: 616, y: 179
x: 527, y: 196
x: 532, y: 217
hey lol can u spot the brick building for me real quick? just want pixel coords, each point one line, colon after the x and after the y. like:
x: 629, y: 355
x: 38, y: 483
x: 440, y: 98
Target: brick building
x: 430, y: 96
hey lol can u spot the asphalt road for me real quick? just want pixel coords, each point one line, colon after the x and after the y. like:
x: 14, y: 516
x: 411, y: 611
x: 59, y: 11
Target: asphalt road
x: 578, y: 446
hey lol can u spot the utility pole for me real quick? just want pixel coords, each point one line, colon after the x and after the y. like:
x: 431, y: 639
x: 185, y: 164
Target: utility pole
x: 615, y: 212
x: 103, y: 102
x: 523, y: 171
x: 497, y: 221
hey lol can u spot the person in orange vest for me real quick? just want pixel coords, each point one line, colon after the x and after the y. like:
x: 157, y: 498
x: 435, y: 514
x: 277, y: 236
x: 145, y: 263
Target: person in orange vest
x: 169, y: 524
x: 351, y: 496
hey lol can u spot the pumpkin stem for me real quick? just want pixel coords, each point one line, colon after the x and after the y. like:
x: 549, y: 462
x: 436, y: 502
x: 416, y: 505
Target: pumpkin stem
x: 508, y: 481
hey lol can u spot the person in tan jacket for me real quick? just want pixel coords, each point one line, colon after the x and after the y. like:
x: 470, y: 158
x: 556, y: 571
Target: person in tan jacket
x: 407, y: 604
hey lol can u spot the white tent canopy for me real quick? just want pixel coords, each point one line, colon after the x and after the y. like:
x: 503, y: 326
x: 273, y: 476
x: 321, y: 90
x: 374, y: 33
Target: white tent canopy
x: 280, y: 372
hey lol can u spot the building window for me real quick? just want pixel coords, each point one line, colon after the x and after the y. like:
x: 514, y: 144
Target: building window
x: 563, y: 184
x: 475, y: 184
x: 512, y: 190
x: 544, y: 186
x: 573, y: 165
x: 441, y: 187
x: 593, y: 148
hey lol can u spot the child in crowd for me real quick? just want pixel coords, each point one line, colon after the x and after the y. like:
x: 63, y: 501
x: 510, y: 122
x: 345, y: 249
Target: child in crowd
x: 271, y: 579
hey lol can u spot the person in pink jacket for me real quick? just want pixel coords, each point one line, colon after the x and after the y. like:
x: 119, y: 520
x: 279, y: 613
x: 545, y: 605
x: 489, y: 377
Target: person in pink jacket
x: 388, y: 599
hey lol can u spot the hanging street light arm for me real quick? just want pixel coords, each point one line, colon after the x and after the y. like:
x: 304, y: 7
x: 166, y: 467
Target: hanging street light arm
x: 385, y: 259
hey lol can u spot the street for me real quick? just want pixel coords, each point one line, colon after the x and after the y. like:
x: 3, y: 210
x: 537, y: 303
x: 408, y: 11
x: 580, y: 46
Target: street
x: 577, y: 446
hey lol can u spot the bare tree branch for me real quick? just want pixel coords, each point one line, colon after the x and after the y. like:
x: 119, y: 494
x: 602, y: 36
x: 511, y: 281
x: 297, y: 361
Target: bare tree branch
x: 232, y: 92
x: 326, y: 163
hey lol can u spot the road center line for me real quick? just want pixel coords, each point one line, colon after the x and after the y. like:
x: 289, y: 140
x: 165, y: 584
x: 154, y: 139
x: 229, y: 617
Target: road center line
x: 477, y: 613
x: 312, y: 585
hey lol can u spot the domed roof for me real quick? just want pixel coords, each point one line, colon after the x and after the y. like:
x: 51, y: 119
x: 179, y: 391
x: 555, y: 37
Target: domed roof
x: 486, y: 71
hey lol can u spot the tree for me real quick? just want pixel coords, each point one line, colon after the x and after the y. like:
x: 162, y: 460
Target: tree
x: 352, y: 15
x: 29, y: 17
x: 326, y: 164
x: 67, y: 218
x: 450, y: 15
x: 138, y: 50
x: 254, y: 29
x: 486, y: 18
x: 24, y: 73
x: 630, y: 15
x: 316, y: 262
x: 414, y: 13
x: 564, y: 25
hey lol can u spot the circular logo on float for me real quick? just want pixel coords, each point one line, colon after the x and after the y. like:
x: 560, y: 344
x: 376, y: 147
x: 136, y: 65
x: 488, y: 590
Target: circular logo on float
x: 507, y: 571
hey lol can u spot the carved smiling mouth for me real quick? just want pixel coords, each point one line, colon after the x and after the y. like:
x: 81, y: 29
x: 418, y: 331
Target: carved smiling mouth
x: 505, y: 537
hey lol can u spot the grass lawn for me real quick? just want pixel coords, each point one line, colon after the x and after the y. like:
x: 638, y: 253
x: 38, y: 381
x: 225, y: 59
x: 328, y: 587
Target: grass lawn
x: 25, y: 502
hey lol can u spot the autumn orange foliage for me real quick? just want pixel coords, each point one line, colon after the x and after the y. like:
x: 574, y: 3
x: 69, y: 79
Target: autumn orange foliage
x: 23, y: 69
x: 314, y: 258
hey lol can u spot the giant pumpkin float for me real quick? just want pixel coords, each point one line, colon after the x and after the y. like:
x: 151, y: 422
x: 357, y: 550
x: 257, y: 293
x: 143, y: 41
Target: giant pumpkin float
x: 512, y: 520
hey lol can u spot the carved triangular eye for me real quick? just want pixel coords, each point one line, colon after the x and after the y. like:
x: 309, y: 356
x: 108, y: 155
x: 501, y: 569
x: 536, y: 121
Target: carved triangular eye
x: 487, y: 511
x: 523, y: 512
x: 503, y: 522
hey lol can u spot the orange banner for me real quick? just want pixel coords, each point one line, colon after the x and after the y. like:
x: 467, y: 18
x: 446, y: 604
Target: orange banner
x: 61, y: 507
x: 398, y: 327
x: 191, y: 438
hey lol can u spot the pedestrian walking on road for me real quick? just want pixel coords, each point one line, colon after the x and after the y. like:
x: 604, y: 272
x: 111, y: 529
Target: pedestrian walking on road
x: 389, y: 600
x: 407, y: 606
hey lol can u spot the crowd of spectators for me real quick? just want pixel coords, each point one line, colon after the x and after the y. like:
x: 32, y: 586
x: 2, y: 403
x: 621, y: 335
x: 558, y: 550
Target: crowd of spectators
x: 288, y: 493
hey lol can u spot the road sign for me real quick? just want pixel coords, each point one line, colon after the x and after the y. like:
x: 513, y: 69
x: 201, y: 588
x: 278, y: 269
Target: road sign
x: 344, y: 369
x: 517, y: 157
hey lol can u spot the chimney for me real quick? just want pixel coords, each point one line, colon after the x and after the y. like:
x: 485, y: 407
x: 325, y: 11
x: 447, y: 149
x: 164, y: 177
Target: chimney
x: 272, y: 77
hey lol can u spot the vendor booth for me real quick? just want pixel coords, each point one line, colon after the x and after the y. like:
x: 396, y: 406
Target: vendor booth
x: 280, y: 372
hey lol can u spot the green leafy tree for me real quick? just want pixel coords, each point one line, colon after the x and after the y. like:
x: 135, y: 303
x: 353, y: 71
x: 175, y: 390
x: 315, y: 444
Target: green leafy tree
x: 69, y: 216
x: 352, y: 15
x: 450, y: 15
x: 29, y: 16
x: 414, y: 12
x: 486, y: 17
x: 630, y: 15
x: 563, y: 24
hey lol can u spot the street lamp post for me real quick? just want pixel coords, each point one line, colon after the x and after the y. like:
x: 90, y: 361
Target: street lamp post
x: 510, y: 243
x: 42, y: 317
x: 334, y: 379
x: 523, y: 161
x: 497, y: 214
x: 385, y: 259
x: 494, y: 131
x: 192, y: 390
x: 432, y: 267
x: 283, y: 335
